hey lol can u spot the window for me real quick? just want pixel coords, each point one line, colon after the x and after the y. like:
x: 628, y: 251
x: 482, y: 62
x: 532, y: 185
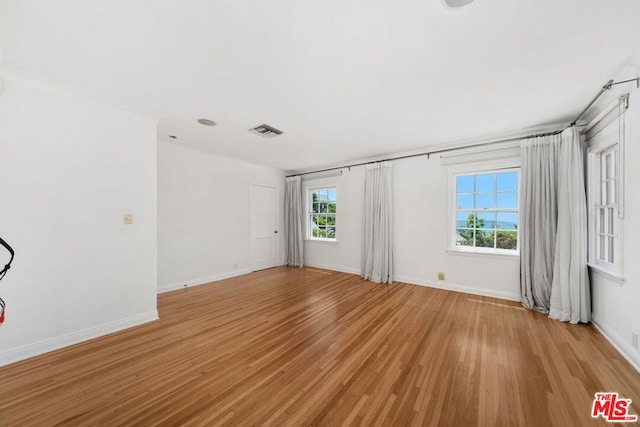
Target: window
x: 604, y: 198
x: 607, y: 207
x: 486, y: 211
x: 322, y: 214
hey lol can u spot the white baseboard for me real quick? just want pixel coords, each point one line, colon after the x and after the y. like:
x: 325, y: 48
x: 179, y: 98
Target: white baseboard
x: 339, y: 269
x: 617, y: 342
x: 201, y: 280
x: 459, y: 288
x: 45, y: 346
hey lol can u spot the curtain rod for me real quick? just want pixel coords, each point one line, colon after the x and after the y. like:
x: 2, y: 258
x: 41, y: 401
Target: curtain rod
x: 604, y: 88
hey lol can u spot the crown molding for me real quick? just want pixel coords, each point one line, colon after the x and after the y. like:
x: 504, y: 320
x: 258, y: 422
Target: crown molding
x: 12, y: 74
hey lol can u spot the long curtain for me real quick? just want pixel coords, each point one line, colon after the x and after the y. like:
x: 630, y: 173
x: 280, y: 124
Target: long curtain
x: 539, y: 215
x: 377, y: 246
x: 553, y: 245
x: 293, y: 220
x: 570, y: 292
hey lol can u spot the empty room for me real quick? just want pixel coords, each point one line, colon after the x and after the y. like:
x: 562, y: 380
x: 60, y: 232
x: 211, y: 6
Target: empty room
x: 286, y: 213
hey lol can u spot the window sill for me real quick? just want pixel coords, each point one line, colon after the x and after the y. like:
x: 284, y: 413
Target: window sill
x: 609, y: 274
x: 329, y: 242
x: 472, y: 253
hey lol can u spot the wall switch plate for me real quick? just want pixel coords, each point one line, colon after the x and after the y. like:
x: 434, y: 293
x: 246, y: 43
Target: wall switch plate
x: 440, y: 276
x: 128, y: 219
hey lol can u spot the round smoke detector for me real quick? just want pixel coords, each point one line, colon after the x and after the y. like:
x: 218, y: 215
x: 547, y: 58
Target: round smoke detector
x: 454, y: 4
x: 207, y: 122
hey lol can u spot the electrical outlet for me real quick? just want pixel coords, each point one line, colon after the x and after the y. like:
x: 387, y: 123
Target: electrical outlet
x: 634, y: 340
x: 128, y: 219
x: 440, y: 276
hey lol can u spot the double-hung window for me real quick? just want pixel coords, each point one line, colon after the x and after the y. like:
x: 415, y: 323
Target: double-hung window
x: 486, y: 211
x: 606, y: 208
x: 321, y: 216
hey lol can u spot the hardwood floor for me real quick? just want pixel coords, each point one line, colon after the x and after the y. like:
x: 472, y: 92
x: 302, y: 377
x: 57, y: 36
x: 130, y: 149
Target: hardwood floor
x: 291, y: 346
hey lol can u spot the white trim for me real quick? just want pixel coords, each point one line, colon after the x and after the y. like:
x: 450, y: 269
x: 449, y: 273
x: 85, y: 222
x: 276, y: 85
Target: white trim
x: 607, y: 273
x: 459, y: 288
x: 609, y: 108
x: 201, y: 280
x: 45, y: 346
x: 347, y: 270
x: 41, y: 83
x: 507, y: 255
x: 625, y: 350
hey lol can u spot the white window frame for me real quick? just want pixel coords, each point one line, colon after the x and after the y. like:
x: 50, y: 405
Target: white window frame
x: 309, y: 211
x: 497, y: 166
x: 605, y: 142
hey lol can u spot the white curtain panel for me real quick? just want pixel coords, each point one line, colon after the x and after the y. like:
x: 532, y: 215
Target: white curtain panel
x: 293, y: 220
x: 570, y: 291
x: 539, y: 214
x: 377, y: 246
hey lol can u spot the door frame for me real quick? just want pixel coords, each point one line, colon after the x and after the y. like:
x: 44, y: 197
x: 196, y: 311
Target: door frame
x: 252, y: 206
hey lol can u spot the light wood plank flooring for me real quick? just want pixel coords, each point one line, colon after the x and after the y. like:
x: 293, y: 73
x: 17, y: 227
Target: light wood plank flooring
x: 291, y: 346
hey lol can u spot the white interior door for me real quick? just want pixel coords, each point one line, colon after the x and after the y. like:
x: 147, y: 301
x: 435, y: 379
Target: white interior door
x: 264, y: 227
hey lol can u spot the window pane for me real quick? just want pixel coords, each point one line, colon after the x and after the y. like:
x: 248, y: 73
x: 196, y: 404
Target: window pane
x: 601, y: 247
x: 485, y: 182
x: 331, y: 220
x: 507, y: 181
x: 316, y: 207
x: 485, y: 201
x: 611, y: 244
x: 607, y: 166
x: 507, y: 200
x: 611, y: 218
x: 332, y: 194
x: 314, y: 232
x: 332, y: 208
x: 465, y: 219
x: 485, y: 238
x: 322, y: 207
x: 507, y: 221
x: 612, y: 192
x: 507, y: 240
x: 464, y: 184
x: 600, y: 220
x: 464, y: 201
x: 464, y: 237
x: 486, y: 220
x: 331, y: 232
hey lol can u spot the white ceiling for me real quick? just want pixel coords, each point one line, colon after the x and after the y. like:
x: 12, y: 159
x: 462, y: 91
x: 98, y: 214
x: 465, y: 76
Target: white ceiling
x: 343, y: 79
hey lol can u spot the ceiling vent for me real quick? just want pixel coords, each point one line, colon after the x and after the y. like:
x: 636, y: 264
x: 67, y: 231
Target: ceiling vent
x: 266, y: 131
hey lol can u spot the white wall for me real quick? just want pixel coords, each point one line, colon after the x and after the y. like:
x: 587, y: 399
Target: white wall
x: 616, y: 306
x: 204, y: 215
x: 69, y: 170
x: 421, y: 234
